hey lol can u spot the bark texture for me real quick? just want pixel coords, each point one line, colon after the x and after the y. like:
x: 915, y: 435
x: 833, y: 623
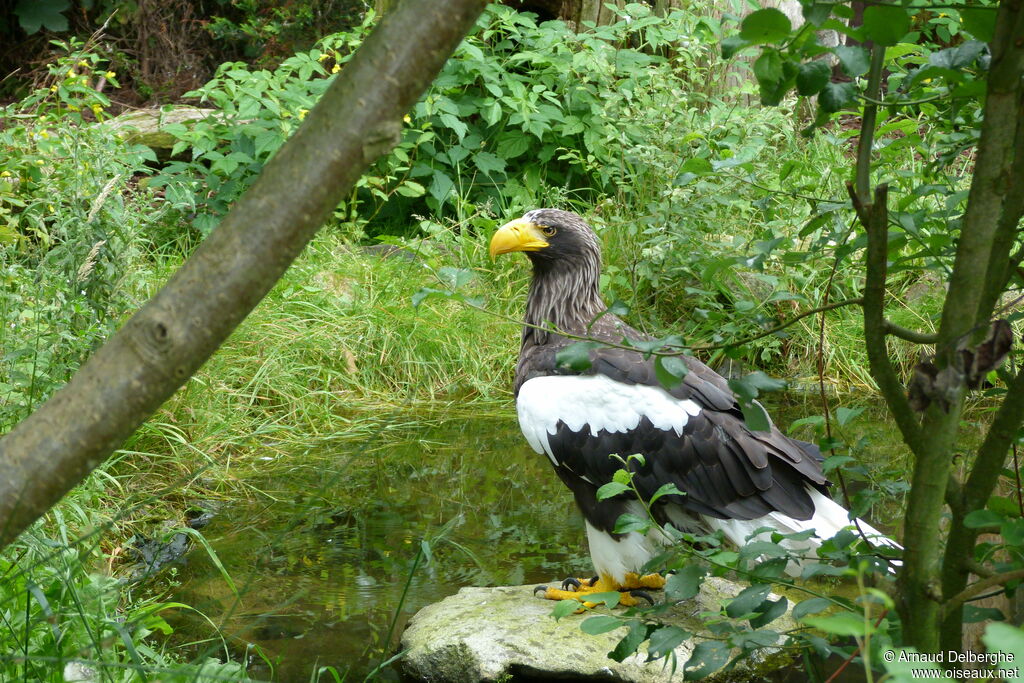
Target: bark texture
x: 358, y: 119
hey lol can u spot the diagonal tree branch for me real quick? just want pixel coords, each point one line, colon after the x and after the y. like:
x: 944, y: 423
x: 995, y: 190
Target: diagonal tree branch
x: 358, y: 119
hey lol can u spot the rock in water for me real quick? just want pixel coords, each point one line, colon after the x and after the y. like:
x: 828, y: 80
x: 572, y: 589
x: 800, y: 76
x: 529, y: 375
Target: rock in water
x: 489, y: 634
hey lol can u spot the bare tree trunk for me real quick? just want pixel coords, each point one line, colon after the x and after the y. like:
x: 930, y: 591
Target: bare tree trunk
x: 358, y: 119
x: 933, y: 580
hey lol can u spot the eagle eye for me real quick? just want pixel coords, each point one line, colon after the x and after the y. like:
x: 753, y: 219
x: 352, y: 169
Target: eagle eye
x: 548, y: 230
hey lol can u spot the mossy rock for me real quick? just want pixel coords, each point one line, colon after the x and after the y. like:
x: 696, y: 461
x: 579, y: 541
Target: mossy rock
x: 506, y: 633
x: 146, y: 126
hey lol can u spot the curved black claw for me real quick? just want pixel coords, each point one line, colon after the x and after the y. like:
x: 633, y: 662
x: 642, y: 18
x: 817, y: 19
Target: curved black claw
x: 572, y: 583
x: 538, y: 589
x: 642, y: 594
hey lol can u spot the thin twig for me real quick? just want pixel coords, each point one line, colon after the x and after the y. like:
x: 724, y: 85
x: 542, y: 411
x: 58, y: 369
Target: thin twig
x: 908, y: 334
x: 672, y: 349
x: 979, y: 587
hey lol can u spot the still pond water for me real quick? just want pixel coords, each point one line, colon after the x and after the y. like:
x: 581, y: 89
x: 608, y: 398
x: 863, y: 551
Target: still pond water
x: 321, y: 557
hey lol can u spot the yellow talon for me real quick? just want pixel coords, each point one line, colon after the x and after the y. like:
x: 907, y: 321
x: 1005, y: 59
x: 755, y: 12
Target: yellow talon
x: 606, y: 584
x: 635, y: 581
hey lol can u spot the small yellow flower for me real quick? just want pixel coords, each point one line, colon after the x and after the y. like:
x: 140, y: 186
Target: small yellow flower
x: 74, y: 108
x: 942, y: 15
x: 323, y: 58
x: 302, y: 113
x: 110, y: 74
x: 50, y: 207
x: 53, y: 88
x: 82, y: 62
x: 927, y: 80
x: 97, y: 109
x: 44, y: 135
x: 336, y: 68
x: 39, y: 162
x: 5, y: 174
x: 407, y: 118
x: 72, y: 74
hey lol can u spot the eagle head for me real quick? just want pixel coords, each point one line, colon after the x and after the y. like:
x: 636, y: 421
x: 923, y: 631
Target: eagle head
x: 549, y: 236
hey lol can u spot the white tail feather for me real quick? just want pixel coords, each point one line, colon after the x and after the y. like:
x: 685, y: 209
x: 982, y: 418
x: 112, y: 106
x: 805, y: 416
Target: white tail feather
x: 829, y: 519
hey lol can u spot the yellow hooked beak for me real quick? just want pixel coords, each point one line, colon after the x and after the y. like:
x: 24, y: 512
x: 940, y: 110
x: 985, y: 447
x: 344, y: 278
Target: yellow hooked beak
x: 517, y: 235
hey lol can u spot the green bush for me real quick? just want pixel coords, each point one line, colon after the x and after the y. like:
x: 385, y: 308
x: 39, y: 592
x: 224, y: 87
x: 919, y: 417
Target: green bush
x: 499, y: 126
x: 73, y: 226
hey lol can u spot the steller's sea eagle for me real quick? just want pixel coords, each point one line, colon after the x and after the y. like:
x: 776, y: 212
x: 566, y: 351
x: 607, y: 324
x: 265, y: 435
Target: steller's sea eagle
x: 693, y: 435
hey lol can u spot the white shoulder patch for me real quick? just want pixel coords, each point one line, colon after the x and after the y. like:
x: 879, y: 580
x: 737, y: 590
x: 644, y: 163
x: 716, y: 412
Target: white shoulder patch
x: 596, y: 402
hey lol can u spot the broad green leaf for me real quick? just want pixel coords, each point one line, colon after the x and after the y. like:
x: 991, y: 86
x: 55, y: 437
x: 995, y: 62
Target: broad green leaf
x: 765, y: 26
x: 663, y: 490
x: 626, y: 523
x: 756, y: 417
x: 770, y: 570
x: 763, y: 382
x: 708, y: 657
x: 1010, y: 640
x: 697, y: 165
x: 977, y: 519
x: 957, y: 57
x: 844, y: 415
x: 612, y: 488
x: 564, y: 608
x: 601, y: 624
x: 732, y: 45
x: 34, y: 14
x: 670, y: 371
x: 610, y: 598
x: 817, y: 13
x: 685, y: 583
x: 854, y: 60
x: 768, y: 67
x: 769, y: 612
x: 810, y: 606
x: 441, y: 186
x: 747, y: 601
x: 1012, y: 531
x: 972, y: 614
x: 576, y: 356
x: 835, y: 96
x: 428, y: 292
x: 455, y: 277
x: 489, y: 163
x: 630, y: 642
x: 410, y: 188
x: 664, y: 640
x: 886, y: 24
x: 812, y: 77
x: 841, y: 624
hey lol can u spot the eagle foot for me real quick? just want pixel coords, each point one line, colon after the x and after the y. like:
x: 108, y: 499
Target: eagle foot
x: 630, y: 591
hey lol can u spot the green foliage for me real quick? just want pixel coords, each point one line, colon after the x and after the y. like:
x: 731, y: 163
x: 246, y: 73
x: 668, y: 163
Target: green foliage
x: 73, y: 224
x: 747, y: 624
x: 36, y: 14
x: 499, y: 126
x: 62, y: 617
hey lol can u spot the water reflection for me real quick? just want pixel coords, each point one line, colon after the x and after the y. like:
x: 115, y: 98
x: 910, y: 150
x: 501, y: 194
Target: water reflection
x: 322, y: 555
x: 321, y: 558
